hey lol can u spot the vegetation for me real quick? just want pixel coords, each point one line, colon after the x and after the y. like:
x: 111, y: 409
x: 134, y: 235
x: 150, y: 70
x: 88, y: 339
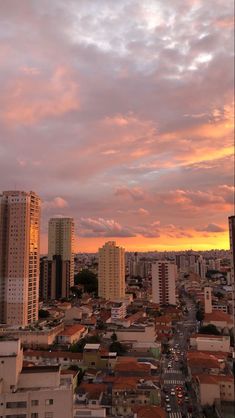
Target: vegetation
x: 79, y: 346
x: 76, y: 292
x: 43, y: 313
x: 209, y: 329
x: 199, y: 315
x: 88, y: 279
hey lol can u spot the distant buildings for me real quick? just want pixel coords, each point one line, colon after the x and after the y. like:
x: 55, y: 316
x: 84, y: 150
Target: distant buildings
x: 163, y: 282
x: 111, y: 271
x: 57, y: 271
x: 19, y: 257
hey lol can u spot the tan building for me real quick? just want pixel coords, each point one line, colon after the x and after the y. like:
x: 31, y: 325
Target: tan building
x: 204, y: 342
x: 19, y: 257
x: 164, y: 275
x: 211, y: 388
x: 57, y: 271
x: 111, y: 272
x: 32, y: 392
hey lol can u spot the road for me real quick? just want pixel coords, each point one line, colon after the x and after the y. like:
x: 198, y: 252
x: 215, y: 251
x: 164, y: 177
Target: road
x: 173, y: 375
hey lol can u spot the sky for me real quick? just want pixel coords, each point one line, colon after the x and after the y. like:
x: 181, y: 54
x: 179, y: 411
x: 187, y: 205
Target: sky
x: 120, y: 114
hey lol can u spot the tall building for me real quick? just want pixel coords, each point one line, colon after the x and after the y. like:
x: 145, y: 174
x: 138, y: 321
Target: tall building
x: 231, y: 222
x: 57, y: 272
x: 111, y: 271
x: 164, y: 275
x: 19, y: 257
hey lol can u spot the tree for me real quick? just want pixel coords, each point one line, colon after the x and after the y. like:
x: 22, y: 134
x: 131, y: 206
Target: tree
x: 43, y: 313
x: 114, y: 337
x: 117, y: 347
x: 76, y: 292
x: 209, y: 329
x: 199, y: 315
x: 79, y: 346
x: 88, y: 279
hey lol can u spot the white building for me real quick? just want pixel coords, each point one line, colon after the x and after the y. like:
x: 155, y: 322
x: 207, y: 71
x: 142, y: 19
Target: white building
x: 32, y: 392
x: 118, y: 311
x: 164, y: 275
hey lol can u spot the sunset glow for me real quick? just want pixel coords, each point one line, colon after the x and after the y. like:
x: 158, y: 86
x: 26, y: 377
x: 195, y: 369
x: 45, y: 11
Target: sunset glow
x: 120, y: 115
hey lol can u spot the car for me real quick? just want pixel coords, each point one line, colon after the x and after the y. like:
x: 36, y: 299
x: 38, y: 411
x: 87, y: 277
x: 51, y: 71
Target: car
x: 186, y: 398
x: 168, y: 408
x: 172, y: 392
x: 167, y: 399
x: 180, y: 395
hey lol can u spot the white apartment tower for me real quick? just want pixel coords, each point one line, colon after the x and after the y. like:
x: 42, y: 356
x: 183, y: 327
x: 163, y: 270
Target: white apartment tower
x: 111, y: 272
x: 164, y: 275
x: 19, y: 257
x: 61, y: 256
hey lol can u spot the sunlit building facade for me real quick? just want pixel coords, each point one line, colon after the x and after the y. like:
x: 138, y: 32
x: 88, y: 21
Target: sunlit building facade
x: 111, y: 271
x: 19, y: 257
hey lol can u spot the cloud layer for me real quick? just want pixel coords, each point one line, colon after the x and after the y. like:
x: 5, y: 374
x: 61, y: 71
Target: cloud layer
x: 120, y: 114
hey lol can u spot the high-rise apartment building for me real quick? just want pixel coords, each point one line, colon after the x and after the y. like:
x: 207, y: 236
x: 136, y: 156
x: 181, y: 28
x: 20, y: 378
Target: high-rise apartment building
x: 231, y: 221
x: 111, y: 271
x: 19, y: 257
x: 57, y: 272
x: 164, y: 275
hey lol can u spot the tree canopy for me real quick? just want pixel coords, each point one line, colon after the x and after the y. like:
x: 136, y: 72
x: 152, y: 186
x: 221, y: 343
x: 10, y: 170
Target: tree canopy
x: 88, y: 279
x: 209, y: 329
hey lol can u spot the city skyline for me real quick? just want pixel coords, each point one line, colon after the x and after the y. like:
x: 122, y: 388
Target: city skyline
x: 124, y: 124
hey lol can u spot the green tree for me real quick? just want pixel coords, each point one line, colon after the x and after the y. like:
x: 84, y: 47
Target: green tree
x: 117, y: 347
x: 88, y: 279
x: 76, y: 292
x: 43, y: 313
x: 114, y: 337
x: 209, y: 329
x: 199, y: 315
x: 79, y: 346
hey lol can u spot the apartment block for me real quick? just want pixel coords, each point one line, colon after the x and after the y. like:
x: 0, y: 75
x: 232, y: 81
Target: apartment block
x: 164, y: 275
x: 57, y: 271
x: 19, y: 257
x: 32, y: 392
x: 111, y: 271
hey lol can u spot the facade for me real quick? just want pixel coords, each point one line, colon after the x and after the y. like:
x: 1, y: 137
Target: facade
x: 57, y: 271
x: 231, y: 221
x: 164, y: 275
x: 19, y: 257
x: 32, y: 392
x: 118, y: 311
x: 111, y: 271
x: 213, y: 343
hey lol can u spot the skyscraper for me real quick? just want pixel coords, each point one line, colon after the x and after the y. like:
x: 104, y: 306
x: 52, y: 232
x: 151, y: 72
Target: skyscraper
x: 19, y: 257
x: 57, y: 272
x: 111, y: 271
x: 231, y: 223
x: 163, y: 282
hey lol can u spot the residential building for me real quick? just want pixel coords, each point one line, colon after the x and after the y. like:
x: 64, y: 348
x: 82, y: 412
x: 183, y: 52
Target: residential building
x: 211, y: 388
x: 118, y: 311
x: 57, y: 271
x: 213, y: 343
x: 111, y: 271
x: 35, y: 391
x: 19, y: 257
x: 164, y: 275
x: 71, y: 334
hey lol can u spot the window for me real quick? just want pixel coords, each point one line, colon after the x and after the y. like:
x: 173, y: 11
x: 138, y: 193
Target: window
x: 20, y: 404
x: 49, y: 402
x: 34, y: 402
x: 34, y: 415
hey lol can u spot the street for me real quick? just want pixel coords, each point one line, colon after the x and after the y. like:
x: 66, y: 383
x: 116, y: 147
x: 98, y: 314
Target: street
x: 179, y: 398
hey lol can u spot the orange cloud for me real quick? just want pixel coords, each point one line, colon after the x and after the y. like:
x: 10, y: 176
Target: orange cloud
x: 29, y: 101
